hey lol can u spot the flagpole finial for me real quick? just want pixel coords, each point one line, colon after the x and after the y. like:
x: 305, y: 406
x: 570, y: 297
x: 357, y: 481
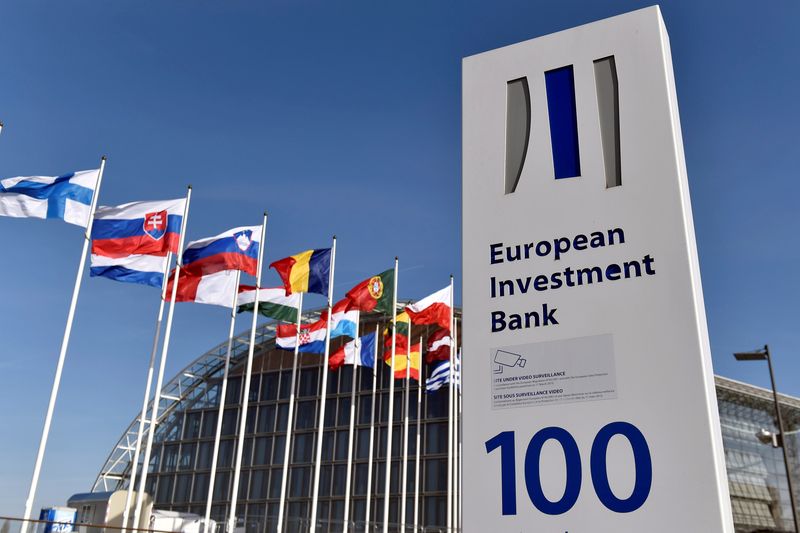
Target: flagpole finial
x: 265, y: 212
x: 189, y: 186
x: 102, y: 158
x: 395, y: 258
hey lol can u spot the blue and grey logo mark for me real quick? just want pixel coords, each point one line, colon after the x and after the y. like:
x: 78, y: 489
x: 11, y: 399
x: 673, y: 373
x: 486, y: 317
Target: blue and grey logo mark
x: 560, y: 87
x: 507, y: 359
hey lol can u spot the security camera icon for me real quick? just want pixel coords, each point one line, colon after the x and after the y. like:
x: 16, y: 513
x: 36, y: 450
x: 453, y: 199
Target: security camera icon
x: 508, y: 359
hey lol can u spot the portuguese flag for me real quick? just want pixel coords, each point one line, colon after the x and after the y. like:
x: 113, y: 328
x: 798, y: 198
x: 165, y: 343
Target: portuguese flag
x: 272, y: 303
x: 374, y: 294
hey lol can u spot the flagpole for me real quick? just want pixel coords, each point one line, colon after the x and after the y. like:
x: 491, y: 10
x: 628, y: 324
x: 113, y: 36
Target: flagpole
x: 348, y: 477
x: 419, y: 441
x: 222, y: 395
x: 1, y: 127
x: 63, y: 353
x: 289, y: 420
x: 321, y: 425
x: 391, y: 408
x: 450, y: 422
x: 455, y: 385
x: 147, y: 387
x: 151, y: 428
x: 237, y: 470
x: 367, y: 525
x: 406, y: 395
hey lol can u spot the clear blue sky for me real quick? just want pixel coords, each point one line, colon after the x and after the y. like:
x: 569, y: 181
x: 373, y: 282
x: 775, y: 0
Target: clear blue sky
x: 337, y: 117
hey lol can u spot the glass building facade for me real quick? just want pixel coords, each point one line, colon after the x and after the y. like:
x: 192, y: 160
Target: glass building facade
x: 179, y: 469
x: 178, y: 475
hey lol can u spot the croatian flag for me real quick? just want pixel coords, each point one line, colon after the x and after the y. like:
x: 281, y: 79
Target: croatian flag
x: 358, y: 352
x: 235, y: 249
x: 312, y: 337
x: 130, y: 242
x: 67, y: 197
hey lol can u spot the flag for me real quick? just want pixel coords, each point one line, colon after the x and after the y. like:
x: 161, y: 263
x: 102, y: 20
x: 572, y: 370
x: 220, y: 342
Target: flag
x: 401, y: 360
x: 307, y: 271
x: 312, y: 337
x: 358, y: 352
x: 343, y: 319
x: 433, y: 309
x: 374, y: 294
x: 235, y: 249
x: 401, y: 339
x: 214, y: 289
x: 441, y: 376
x: 272, y: 303
x: 438, y: 346
x: 67, y: 197
x: 130, y: 242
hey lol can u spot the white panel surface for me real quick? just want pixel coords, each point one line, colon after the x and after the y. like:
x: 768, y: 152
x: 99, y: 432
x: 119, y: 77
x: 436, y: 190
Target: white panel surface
x: 647, y: 362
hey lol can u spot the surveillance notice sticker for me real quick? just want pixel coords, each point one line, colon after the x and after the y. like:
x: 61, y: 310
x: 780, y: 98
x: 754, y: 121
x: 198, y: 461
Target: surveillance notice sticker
x: 573, y: 370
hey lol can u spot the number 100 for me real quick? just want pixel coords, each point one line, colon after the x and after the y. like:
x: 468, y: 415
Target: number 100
x: 597, y: 463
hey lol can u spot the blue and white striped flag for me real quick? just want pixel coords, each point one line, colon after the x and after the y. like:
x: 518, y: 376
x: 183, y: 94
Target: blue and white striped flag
x: 440, y: 375
x: 67, y: 197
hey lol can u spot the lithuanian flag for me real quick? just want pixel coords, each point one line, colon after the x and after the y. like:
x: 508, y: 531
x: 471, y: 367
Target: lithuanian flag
x: 401, y: 355
x: 307, y: 271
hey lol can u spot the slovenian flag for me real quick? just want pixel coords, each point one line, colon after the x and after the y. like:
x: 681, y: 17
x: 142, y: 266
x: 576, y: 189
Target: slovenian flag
x: 307, y: 271
x: 358, y: 352
x: 272, y: 303
x: 312, y: 337
x: 235, y: 249
x: 214, y: 289
x: 130, y: 242
x: 67, y: 197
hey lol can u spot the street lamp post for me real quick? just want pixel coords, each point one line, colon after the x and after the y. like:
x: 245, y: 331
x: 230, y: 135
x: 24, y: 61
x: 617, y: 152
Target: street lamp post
x: 760, y: 355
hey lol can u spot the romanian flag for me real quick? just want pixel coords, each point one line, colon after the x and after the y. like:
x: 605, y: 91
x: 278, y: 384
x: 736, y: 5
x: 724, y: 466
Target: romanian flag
x: 374, y: 294
x: 307, y: 271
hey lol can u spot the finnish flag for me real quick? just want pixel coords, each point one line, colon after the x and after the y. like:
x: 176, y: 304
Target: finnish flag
x: 67, y: 197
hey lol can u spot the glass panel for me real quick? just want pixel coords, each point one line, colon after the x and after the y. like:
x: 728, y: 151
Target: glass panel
x: 303, y: 447
x: 192, y: 428
x: 170, y: 462
x: 200, y: 491
x: 299, y: 479
x: 164, y: 489
x: 229, y: 421
x: 266, y: 418
x: 209, y: 424
x: 269, y: 386
x: 232, y: 396
x: 309, y: 383
x: 187, y: 457
x: 263, y: 451
x: 204, y: 455
x: 341, y: 444
x: 182, y: 487
x: 306, y: 414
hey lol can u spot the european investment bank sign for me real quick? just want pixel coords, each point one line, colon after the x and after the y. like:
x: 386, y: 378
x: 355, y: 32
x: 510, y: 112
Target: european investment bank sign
x: 589, y: 398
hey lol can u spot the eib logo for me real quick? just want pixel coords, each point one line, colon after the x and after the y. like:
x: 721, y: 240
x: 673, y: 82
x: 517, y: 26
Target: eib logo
x: 563, y: 122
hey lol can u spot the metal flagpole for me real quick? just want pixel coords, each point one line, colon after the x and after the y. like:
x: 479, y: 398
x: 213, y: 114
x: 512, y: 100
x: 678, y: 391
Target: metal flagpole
x: 1, y: 127
x: 222, y: 395
x: 419, y: 441
x: 391, y: 408
x: 348, y: 477
x: 406, y: 395
x: 63, y: 353
x: 290, y: 420
x: 367, y: 525
x: 151, y: 428
x: 455, y: 385
x: 237, y: 470
x: 324, y: 389
x: 450, y: 422
x: 147, y: 387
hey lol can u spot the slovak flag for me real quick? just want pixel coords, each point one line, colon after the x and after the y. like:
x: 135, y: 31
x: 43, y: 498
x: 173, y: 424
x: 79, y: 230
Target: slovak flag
x: 312, y: 337
x: 130, y: 242
x: 235, y: 249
